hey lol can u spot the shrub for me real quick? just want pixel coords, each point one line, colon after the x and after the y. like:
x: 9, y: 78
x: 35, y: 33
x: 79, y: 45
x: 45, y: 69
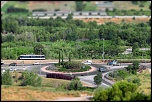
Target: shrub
x: 98, y: 79
x: 6, y: 78
x: 136, y: 81
x: 73, y: 65
x: 30, y: 78
x: 38, y: 10
x: 75, y: 84
x: 13, y: 9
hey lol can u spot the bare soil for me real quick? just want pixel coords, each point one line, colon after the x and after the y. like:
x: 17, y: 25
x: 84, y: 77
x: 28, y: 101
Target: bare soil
x: 116, y: 20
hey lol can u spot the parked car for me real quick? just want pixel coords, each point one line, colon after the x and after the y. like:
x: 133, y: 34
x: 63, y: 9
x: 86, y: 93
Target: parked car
x: 36, y: 63
x: 13, y: 64
x: 102, y: 69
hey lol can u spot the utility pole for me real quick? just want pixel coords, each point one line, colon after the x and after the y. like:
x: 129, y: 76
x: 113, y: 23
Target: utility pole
x: 40, y: 61
x: 103, y: 49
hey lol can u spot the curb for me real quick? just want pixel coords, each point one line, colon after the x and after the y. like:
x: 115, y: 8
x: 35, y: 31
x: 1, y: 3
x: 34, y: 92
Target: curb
x: 91, y: 70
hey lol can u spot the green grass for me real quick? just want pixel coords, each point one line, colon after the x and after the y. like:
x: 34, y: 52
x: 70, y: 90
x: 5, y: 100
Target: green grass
x: 16, y: 4
x: 90, y: 7
x: 7, y: 5
x: 61, y: 69
x: 20, y: 14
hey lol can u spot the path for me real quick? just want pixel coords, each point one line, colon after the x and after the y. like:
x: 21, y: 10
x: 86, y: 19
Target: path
x: 83, y: 98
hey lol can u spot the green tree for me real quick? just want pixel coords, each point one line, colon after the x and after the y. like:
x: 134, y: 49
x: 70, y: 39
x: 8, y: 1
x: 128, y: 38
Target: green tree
x: 75, y: 84
x: 69, y: 17
x: 6, y: 78
x: 120, y: 91
x: 135, y: 48
x: 98, y: 79
x: 39, y: 49
x: 30, y: 78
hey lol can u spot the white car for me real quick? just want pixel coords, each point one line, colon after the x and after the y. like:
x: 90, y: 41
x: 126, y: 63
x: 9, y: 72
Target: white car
x: 88, y: 62
x: 36, y: 63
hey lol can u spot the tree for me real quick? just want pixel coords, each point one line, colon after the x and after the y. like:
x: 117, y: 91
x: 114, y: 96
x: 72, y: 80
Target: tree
x: 134, y: 48
x: 79, y: 5
x: 30, y: 78
x: 69, y: 17
x: 135, y: 66
x: 98, y: 79
x: 75, y: 84
x: 129, y: 68
x: 39, y: 49
x: 120, y: 91
x: 6, y: 78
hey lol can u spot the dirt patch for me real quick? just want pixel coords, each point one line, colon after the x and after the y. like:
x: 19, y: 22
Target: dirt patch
x: 16, y: 93
x: 116, y: 20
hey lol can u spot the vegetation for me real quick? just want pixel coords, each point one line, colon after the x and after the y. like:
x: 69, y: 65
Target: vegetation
x: 30, y: 78
x: 98, y: 79
x: 120, y: 91
x: 60, y: 35
x: 6, y: 78
x: 133, y: 68
x: 75, y: 84
x: 131, y: 12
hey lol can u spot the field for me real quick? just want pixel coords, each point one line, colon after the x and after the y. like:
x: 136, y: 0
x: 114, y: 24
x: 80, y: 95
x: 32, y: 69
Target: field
x: 52, y: 5
x: 145, y: 80
x: 116, y: 20
x: 50, y: 90
x: 128, y: 5
x: 48, y: 5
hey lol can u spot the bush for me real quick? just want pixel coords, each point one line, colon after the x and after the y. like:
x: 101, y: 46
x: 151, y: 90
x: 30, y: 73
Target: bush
x: 120, y: 91
x: 30, y: 78
x: 75, y: 84
x: 6, y: 78
x: 73, y: 65
x: 136, y: 81
x: 13, y: 9
x: 38, y: 10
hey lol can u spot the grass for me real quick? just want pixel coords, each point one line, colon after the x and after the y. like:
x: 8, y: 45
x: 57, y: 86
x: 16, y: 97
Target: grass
x: 52, y: 5
x: 50, y: 90
x: 90, y: 6
x: 145, y: 80
x: 127, y: 5
x: 16, y: 4
x: 7, y: 5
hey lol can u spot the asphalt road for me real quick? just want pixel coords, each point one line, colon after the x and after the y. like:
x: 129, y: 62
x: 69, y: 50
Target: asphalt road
x: 86, y: 77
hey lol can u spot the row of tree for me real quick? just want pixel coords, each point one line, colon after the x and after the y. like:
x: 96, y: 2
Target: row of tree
x: 38, y: 30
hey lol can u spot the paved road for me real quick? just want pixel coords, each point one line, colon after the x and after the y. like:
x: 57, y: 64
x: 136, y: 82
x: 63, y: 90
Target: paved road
x: 64, y: 17
x: 86, y: 77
